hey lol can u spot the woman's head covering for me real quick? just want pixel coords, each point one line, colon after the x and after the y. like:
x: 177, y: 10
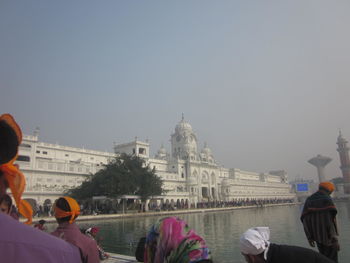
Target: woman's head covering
x: 171, y: 240
x: 255, y: 240
x: 329, y: 186
x: 10, y: 139
x: 92, y: 230
x: 73, y: 206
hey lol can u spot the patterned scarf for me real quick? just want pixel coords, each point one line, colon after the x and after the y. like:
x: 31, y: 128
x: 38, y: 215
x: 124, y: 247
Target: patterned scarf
x: 171, y: 240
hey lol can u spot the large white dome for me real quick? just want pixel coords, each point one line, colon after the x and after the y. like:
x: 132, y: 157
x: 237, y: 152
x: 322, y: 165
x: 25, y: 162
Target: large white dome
x: 183, y: 126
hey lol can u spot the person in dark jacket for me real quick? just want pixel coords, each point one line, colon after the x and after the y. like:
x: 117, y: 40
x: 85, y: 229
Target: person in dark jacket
x: 256, y: 248
x: 319, y: 221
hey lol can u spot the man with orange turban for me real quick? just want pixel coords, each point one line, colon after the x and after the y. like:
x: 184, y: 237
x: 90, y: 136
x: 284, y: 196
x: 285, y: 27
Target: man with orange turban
x: 66, y: 210
x: 319, y: 221
x: 19, y: 242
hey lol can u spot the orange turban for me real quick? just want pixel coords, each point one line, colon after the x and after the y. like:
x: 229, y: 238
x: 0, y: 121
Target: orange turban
x: 12, y: 174
x: 328, y: 186
x: 74, y: 209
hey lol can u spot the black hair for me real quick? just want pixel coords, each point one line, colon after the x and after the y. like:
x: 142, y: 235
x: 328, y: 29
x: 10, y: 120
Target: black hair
x: 8, y: 142
x: 42, y: 221
x: 6, y: 199
x: 63, y: 204
x: 321, y: 188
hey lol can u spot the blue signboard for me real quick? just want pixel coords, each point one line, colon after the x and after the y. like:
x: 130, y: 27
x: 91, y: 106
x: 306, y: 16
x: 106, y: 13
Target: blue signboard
x: 302, y: 187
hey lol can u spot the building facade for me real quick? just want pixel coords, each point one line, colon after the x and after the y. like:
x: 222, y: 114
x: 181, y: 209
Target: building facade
x: 189, y: 175
x: 193, y: 175
x: 51, y: 169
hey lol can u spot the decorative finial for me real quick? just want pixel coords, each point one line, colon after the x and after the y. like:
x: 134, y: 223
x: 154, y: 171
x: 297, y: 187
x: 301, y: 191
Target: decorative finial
x: 183, y: 117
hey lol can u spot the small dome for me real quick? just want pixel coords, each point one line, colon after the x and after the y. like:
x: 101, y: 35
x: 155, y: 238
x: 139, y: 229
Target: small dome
x: 162, y: 150
x: 206, y: 150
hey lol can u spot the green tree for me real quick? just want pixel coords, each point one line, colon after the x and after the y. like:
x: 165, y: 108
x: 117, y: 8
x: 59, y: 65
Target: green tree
x: 124, y: 175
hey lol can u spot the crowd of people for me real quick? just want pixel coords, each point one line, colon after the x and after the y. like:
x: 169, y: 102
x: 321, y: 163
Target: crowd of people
x: 99, y: 208
x: 169, y: 240
x: 245, y: 202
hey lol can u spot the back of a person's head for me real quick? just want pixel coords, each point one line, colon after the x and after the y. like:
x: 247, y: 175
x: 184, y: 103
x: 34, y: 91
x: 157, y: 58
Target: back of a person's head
x: 254, y: 241
x: 326, y: 186
x: 8, y: 142
x: 10, y: 175
x: 63, y: 204
x: 66, y: 204
x: 6, y: 199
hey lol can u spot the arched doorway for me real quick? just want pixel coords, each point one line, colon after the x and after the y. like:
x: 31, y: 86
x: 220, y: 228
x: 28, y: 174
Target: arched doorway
x: 205, y: 192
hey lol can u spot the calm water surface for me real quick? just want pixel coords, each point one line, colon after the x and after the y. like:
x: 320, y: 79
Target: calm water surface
x: 221, y: 230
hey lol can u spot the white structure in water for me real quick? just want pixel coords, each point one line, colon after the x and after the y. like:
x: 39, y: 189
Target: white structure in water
x: 189, y: 175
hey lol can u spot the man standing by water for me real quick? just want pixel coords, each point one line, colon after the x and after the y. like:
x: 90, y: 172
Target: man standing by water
x: 319, y: 221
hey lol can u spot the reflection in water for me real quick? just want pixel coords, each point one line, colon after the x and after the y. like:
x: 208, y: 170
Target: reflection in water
x: 221, y: 230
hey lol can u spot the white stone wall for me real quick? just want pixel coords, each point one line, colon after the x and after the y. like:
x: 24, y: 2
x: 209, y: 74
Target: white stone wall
x: 50, y: 169
x: 136, y: 147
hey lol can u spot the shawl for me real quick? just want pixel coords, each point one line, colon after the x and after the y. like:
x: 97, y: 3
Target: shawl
x: 170, y: 240
x: 318, y: 202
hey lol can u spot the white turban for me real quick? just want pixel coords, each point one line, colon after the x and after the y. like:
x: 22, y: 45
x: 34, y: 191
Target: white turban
x: 255, y: 240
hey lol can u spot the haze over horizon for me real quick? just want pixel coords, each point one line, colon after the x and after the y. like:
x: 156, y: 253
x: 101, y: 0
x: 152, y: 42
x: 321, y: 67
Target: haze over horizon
x: 264, y: 83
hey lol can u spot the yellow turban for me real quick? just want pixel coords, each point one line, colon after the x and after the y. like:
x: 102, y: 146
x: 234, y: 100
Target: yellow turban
x: 12, y: 174
x: 328, y: 186
x: 74, y: 209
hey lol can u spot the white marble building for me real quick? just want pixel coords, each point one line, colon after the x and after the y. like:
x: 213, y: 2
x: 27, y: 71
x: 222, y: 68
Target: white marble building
x: 50, y: 169
x: 188, y: 174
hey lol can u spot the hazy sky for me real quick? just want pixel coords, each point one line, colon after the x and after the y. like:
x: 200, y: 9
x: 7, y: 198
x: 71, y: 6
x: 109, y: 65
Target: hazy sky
x: 265, y: 83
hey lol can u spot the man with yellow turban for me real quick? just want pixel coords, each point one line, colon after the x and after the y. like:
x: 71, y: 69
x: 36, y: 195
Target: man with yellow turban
x: 319, y: 221
x: 66, y: 210
x: 19, y: 242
